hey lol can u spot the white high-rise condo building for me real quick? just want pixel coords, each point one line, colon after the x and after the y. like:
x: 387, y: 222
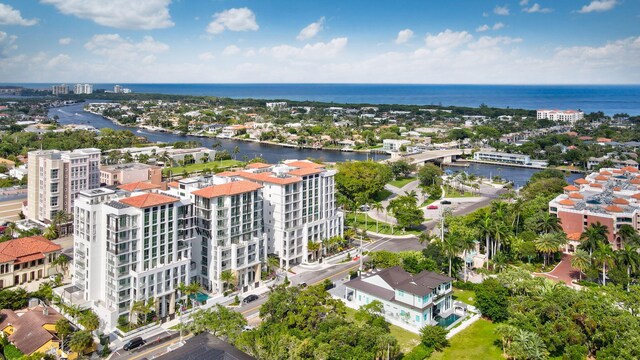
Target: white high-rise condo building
x: 56, y: 177
x: 60, y: 89
x: 299, y: 208
x: 570, y: 116
x: 83, y: 89
x: 130, y: 247
x: 229, y: 222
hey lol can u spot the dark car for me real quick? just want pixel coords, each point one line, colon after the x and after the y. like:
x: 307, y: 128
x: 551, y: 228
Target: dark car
x: 250, y: 298
x: 445, y: 202
x: 303, y: 284
x: 134, y: 343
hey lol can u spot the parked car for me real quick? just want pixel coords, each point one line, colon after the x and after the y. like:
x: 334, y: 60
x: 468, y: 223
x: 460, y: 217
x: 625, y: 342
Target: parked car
x: 445, y: 202
x: 303, y: 284
x: 364, y: 208
x: 432, y: 207
x: 134, y: 343
x: 250, y: 298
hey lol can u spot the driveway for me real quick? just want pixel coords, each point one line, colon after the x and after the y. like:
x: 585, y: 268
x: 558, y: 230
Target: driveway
x: 563, y: 271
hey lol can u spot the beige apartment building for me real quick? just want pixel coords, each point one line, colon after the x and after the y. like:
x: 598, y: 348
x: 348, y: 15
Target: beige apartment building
x: 121, y: 174
x: 55, y: 179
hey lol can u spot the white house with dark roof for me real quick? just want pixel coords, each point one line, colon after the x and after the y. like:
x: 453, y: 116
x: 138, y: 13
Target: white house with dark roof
x: 416, y: 300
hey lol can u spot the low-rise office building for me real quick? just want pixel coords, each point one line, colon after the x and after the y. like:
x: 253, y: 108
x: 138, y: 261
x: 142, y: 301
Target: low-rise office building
x: 27, y: 259
x: 129, y: 173
x: 394, y: 145
x: 516, y: 159
x: 570, y: 116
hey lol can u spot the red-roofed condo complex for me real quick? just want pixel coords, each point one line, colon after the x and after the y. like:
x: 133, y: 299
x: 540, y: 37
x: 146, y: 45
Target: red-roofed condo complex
x: 608, y: 197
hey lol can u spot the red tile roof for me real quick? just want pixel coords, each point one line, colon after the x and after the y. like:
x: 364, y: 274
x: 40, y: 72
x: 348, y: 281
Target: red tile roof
x: 636, y: 196
x: 581, y: 181
x: 173, y: 184
x: 138, y: 186
x: 305, y: 164
x: 567, y: 202
x: 148, y: 200
x: 574, y: 236
x: 571, y: 188
x: 26, y: 249
x: 613, y: 208
x: 576, y: 196
x: 605, y: 172
x: 602, y: 178
x: 232, y: 188
x: 595, y: 185
x: 305, y: 171
x: 620, y: 201
x: 635, y: 181
x: 258, y: 165
x: 228, y: 173
x: 29, y: 333
x: 630, y: 169
x: 618, y: 171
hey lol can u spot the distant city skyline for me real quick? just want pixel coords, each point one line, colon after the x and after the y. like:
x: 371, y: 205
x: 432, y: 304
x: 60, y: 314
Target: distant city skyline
x: 440, y: 42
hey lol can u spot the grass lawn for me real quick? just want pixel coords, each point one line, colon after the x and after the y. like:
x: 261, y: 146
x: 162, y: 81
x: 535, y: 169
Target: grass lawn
x: 382, y: 194
x: 475, y: 342
x: 454, y: 193
x: 218, y: 165
x: 466, y: 296
x: 401, y: 182
x: 406, y: 339
x: 383, y: 227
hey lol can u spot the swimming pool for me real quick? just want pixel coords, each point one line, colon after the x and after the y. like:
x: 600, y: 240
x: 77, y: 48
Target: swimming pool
x: 445, y: 322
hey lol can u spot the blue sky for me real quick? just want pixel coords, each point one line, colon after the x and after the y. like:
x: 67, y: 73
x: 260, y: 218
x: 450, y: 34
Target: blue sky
x: 226, y: 41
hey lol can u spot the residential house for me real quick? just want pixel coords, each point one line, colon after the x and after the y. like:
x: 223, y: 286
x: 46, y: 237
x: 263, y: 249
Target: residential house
x: 27, y: 259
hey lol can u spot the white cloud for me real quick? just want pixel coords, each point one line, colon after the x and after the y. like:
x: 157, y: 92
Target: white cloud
x: 501, y: 10
x: 11, y: 16
x: 311, y: 30
x: 121, y: 14
x: 524, y: 2
x: 497, y: 26
x: 482, y: 28
x: 7, y: 43
x: 404, y: 36
x: 250, y: 53
x: 117, y: 48
x: 598, y: 6
x: 230, y: 50
x: 64, y: 41
x: 207, y: 56
x: 237, y: 19
x: 536, y: 8
x: 59, y: 60
x: 447, y: 39
x: 319, y: 50
x: 488, y: 41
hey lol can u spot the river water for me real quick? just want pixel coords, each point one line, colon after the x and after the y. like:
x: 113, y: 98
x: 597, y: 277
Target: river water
x: 75, y: 114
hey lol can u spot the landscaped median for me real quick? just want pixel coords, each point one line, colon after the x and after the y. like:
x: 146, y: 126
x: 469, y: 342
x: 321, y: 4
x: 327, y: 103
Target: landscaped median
x: 364, y: 221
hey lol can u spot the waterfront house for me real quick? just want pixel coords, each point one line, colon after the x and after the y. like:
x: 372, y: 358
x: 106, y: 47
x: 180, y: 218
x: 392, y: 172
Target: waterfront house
x: 413, y: 299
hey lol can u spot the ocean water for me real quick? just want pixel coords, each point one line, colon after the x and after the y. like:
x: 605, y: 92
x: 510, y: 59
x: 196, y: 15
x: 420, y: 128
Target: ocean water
x: 609, y: 99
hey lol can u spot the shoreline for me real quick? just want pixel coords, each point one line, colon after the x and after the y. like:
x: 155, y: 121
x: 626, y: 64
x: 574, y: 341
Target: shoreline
x: 532, y: 167
x: 292, y: 146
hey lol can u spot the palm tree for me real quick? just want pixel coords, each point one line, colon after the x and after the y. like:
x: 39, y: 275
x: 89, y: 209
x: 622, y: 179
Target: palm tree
x: 548, y: 223
x: 50, y: 232
x: 227, y: 277
x: 426, y: 238
x: 594, y: 236
x: 61, y: 217
x: 581, y: 260
x: 236, y: 150
x: 629, y: 235
x: 547, y: 243
x: 486, y: 226
x: 188, y: 290
x: 604, y: 255
x: 516, y: 211
x: 89, y: 320
x: 628, y: 256
x: 450, y: 245
x: 500, y: 231
x: 313, y: 247
x: 11, y: 230
x: 61, y: 261
x: 507, y: 333
x: 412, y: 194
x: 377, y: 207
x: 63, y: 328
x: 136, y: 307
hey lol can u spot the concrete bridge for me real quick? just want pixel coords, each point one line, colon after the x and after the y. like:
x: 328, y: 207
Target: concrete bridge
x: 435, y: 156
